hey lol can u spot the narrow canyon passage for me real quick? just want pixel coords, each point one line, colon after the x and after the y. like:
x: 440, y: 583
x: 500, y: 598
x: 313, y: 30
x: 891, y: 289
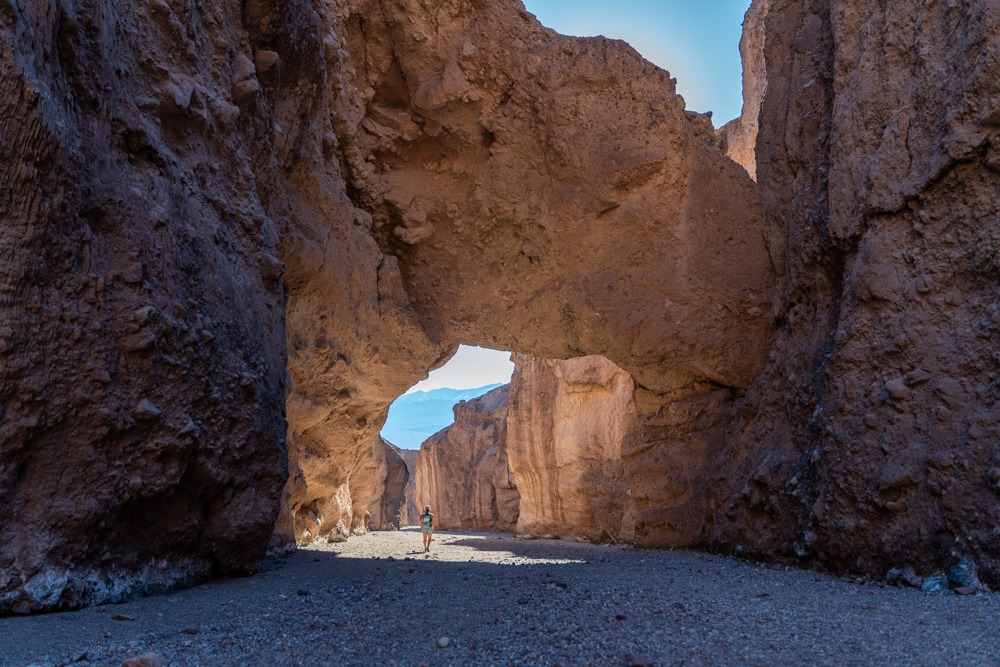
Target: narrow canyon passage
x: 376, y: 600
x: 234, y: 232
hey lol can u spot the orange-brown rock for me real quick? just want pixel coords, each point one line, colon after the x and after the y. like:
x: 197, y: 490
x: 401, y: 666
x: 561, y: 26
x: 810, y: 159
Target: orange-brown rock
x: 529, y: 212
x: 565, y: 428
x: 187, y: 221
x: 462, y: 471
x: 409, y: 511
x: 387, y: 509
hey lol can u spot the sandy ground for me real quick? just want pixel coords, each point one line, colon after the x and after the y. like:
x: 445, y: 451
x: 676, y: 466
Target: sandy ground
x: 378, y: 600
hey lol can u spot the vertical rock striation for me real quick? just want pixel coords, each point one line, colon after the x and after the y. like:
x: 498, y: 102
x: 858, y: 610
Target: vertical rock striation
x: 409, y: 511
x: 218, y: 214
x: 462, y: 471
x: 387, y: 510
x: 869, y: 441
x: 566, y: 426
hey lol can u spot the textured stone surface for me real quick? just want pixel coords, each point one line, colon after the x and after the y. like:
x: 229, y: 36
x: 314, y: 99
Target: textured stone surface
x: 566, y: 425
x: 462, y: 471
x: 550, y: 465
x: 392, y: 478
x: 870, y: 438
x: 550, y: 195
x: 142, y: 434
x: 408, y: 510
x: 200, y: 237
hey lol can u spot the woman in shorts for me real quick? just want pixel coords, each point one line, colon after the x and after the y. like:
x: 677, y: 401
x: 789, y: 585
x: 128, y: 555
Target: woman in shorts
x: 427, y: 526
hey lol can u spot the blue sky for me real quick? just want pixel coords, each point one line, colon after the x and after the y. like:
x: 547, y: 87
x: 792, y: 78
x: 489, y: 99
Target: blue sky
x: 697, y: 41
x: 470, y: 368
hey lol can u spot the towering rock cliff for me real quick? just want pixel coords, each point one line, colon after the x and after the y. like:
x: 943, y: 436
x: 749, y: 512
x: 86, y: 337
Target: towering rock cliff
x: 387, y: 511
x: 548, y: 465
x: 870, y: 439
x: 462, y: 471
x: 409, y: 511
x: 566, y: 425
x: 142, y: 353
x: 216, y: 215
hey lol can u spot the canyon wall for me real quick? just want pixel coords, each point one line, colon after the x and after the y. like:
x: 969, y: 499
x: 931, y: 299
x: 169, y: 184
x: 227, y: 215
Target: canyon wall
x: 387, y: 511
x: 565, y: 428
x: 142, y: 352
x: 550, y: 195
x: 462, y: 471
x: 408, y: 510
x: 541, y: 456
x: 871, y: 438
x: 222, y: 214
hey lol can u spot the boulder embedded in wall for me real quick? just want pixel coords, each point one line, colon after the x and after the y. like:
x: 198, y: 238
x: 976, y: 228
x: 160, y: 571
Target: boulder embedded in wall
x: 565, y: 428
x: 462, y: 470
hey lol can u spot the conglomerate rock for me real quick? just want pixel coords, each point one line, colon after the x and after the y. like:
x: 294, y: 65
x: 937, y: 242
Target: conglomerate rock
x: 408, y: 511
x: 217, y: 214
x: 871, y: 438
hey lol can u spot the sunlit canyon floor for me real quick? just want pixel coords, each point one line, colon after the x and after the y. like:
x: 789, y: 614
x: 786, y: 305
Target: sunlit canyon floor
x: 378, y: 600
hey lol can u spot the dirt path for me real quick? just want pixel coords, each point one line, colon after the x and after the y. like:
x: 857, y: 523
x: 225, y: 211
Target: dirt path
x: 504, y: 601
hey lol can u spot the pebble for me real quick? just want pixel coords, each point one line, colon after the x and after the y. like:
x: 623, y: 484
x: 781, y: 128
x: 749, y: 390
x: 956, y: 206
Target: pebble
x: 146, y: 660
x: 693, y: 609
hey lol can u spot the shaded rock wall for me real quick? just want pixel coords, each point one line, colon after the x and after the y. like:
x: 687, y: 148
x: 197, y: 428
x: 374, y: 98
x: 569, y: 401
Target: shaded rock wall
x: 462, y: 471
x: 870, y: 439
x: 409, y: 511
x: 216, y: 214
x: 549, y: 465
x: 142, y: 354
x: 387, y: 510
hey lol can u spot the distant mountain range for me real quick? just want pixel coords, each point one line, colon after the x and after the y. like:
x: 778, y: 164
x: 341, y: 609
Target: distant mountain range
x: 415, y: 417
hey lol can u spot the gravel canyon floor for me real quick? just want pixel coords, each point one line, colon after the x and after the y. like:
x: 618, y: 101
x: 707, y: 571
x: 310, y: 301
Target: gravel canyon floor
x: 500, y: 600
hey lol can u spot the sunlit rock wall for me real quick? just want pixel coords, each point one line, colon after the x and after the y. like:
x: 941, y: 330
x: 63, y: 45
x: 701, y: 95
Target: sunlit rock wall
x: 462, y: 471
x: 565, y: 428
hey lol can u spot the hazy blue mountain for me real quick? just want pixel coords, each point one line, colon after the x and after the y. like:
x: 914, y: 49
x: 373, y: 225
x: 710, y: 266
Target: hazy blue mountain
x: 415, y: 417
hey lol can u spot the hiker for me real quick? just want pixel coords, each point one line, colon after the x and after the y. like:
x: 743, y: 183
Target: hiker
x: 427, y: 526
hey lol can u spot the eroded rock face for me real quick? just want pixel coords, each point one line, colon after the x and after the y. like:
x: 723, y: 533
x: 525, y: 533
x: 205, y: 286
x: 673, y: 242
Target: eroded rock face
x: 199, y: 199
x: 142, y: 355
x: 871, y: 438
x: 566, y: 425
x: 462, y: 471
x: 608, y: 221
x: 387, y: 510
x: 549, y: 465
x: 409, y: 511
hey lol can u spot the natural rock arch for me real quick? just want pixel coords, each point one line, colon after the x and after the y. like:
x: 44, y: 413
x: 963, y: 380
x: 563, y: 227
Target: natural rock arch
x: 548, y: 195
